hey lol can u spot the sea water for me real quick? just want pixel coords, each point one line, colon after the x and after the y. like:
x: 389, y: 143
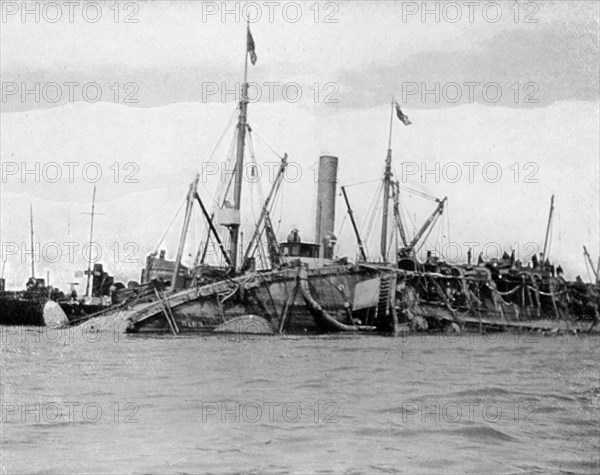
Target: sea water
x: 83, y: 401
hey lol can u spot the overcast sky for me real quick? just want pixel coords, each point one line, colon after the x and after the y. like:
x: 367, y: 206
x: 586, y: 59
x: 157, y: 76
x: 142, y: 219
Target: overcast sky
x: 367, y: 48
x: 508, y: 82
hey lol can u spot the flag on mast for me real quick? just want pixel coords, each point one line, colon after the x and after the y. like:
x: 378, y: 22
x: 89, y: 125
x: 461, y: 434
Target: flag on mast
x: 250, y: 48
x: 405, y: 120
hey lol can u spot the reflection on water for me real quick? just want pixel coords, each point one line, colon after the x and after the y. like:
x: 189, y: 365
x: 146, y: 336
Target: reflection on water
x: 76, y: 402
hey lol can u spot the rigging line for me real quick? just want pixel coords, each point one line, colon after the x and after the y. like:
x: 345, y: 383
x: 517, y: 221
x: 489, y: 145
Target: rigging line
x: 169, y: 226
x: 216, y: 200
x: 342, y: 225
x: 448, y: 219
x: 253, y: 160
x: 227, y: 127
x: 587, y: 268
x: 375, y: 218
x: 550, y: 236
x: 280, y: 209
x: 441, y: 229
x: 371, y: 209
x: 377, y: 210
x: 361, y: 183
x: 438, y: 239
x: 267, y: 145
x: 372, y: 215
x: 262, y: 254
x: 223, y: 196
x: 426, y: 237
x: 419, y: 193
x: 212, y: 197
x: 406, y: 211
x: 392, y: 240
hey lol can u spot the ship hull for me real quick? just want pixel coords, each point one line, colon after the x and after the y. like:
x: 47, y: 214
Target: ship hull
x: 23, y: 312
x: 280, y: 297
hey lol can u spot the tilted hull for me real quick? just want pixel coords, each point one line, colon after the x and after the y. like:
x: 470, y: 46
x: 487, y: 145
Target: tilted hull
x: 281, y: 297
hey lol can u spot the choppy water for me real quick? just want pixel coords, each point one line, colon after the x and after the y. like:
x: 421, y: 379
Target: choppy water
x: 126, y: 404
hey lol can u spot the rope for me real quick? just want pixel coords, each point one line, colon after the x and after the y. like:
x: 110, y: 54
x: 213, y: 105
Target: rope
x: 372, y: 214
x: 518, y: 287
x: 546, y: 294
x: 587, y: 268
x: 223, y: 188
x: 169, y: 226
x: 280, y: 209
x: 361, y: 183
x: 253, y: 160
x: 503, y: 294
x: 406, y: 211
x: 419, y: 193
x: 268, y: 146
x: 448, y: 219
x: 231, y: 119
x: 342, y: 225
x: 217, y: 200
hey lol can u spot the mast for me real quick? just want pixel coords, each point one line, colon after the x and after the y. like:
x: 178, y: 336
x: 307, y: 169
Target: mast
x: 89, y: 270
x: 396, y: 190
x: 234, y: 228
x: 186, y: 224
x: 589, y: 259
x: 387, y: 176
x: 544, y: 254
x: 32, y: 248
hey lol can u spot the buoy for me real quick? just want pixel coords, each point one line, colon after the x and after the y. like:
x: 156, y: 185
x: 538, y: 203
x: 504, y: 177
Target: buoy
x: 54, y: 315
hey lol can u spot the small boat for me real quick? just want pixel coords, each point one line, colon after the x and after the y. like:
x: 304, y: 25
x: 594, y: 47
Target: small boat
x: 26, y: 307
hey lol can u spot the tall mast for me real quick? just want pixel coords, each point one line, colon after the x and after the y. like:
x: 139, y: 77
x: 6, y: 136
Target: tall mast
x: 32, y: 248
x: 234, y: 229
x: 546, y: 250
x: 387, y: 177
x: 89, y: 270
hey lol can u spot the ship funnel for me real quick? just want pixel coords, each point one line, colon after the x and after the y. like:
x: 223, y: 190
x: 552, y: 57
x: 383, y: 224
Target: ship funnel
x: 327, y: 182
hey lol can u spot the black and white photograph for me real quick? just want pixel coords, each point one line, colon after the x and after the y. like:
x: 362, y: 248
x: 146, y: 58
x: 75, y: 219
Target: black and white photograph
x: 299, y: 237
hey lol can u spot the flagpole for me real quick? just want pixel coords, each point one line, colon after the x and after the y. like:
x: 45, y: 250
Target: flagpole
x: 387, y: 176
x: 32, y: 247
x: 244, y: 91
x: 391, y: 123
x: 234, y: 228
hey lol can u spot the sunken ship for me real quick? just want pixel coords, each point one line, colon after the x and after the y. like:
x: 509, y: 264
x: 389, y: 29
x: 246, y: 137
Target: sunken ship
x: 296, y: 287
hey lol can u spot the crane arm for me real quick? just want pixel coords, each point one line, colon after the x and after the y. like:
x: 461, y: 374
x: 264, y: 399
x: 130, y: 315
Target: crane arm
x: 436, y: 212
